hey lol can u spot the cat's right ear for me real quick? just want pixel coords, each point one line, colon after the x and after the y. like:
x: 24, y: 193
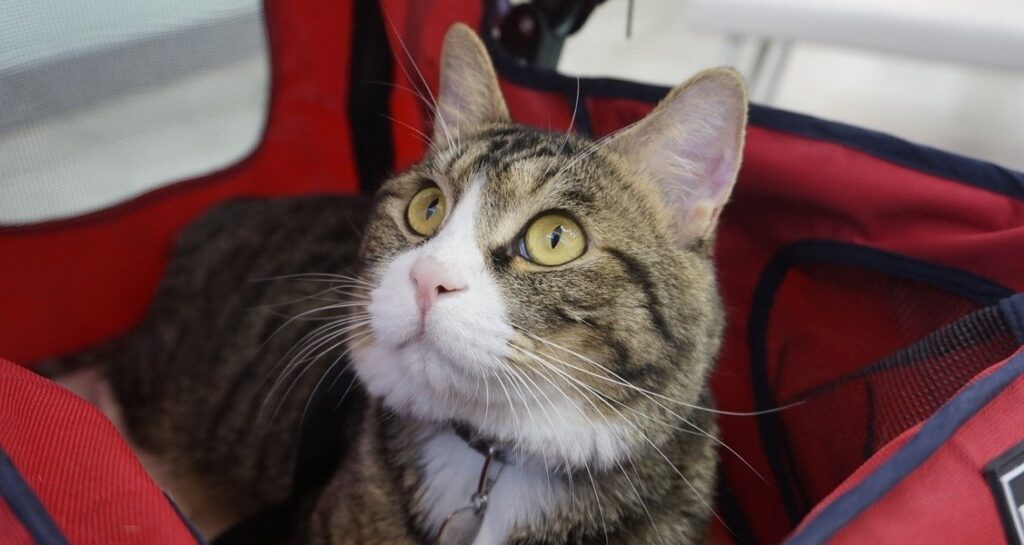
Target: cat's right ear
x: 469, y: 95
x: 690, y: 146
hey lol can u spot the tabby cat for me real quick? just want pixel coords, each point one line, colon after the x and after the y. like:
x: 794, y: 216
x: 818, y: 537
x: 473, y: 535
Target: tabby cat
x: 530, y: 318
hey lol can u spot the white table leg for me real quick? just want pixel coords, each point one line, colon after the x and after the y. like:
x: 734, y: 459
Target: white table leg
x: 731, y: 52
x: 771, y: 85
x: 756, y: 71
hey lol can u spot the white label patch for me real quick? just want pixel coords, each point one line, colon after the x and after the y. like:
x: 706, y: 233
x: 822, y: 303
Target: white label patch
x: 1006, y: 476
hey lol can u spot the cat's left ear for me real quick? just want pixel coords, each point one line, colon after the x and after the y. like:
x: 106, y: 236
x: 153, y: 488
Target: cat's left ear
x: 691, y: 146
x: 469, y: 95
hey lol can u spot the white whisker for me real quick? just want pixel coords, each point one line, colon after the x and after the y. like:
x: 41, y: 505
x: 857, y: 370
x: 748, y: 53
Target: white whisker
x: 568, y: 130
x: 423, y: 80
x: 570, y: 378
x: 298, y: 379
x: 639, y: 497
x: 650, y: 395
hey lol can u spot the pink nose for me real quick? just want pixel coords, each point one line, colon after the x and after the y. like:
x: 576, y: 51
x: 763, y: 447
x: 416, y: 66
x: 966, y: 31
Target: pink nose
x: 432, y: 280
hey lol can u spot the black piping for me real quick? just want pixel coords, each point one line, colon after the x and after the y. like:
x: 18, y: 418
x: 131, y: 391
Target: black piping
x: 370, y: 77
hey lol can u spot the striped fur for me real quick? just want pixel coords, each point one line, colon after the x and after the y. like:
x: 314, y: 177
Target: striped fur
x: 590, y: 375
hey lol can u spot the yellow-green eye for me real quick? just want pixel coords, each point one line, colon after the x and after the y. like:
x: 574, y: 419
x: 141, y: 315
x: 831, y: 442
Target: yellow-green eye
x: 553, y: 239
x: 426, y: 210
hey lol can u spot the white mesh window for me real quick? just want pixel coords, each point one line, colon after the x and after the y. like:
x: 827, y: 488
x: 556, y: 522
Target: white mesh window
x: 103, y: 101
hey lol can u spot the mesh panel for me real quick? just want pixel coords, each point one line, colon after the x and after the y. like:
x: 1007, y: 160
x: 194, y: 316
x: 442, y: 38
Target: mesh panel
x: 870, y: 355
x: 103, y: 101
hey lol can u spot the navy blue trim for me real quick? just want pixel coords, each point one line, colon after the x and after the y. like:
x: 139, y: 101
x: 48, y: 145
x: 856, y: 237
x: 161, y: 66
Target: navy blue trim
x: 200, y: 540
x: 936, y: 162
x: 777, y: 450
x: 26, y: 506
x: 1013, y: 308
x: 371, y: 68
x: 943, y: 164
x: 932, y: 435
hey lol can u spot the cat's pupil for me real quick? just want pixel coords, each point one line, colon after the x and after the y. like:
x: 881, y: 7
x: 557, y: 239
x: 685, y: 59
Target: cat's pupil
x: 555, y: 236
x: 431, y: 208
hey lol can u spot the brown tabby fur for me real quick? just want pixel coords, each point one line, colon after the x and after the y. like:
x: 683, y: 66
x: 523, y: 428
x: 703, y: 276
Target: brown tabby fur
x: 210, y: 399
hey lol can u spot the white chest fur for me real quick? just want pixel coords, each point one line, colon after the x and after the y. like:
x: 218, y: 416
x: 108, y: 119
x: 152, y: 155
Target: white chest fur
x: 521, y: 494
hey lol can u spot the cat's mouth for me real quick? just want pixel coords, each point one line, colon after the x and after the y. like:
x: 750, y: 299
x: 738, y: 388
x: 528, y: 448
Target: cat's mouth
x: 425, y: 329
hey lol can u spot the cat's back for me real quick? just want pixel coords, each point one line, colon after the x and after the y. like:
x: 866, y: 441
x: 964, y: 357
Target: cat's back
x: 211, y: 385
x: 249, y: 227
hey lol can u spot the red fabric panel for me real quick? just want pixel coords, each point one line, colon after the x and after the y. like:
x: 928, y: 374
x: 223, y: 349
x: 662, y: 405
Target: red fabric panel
x: 718, y: 534
x: 793, y: 188
x: 947, y: 500
x: 868, y: 467
x: 821, y: 318
x: 69, y: 284
x: 608, y: 115
x: 417, y: 32
x: 78, y: 466
x: 890, y: 449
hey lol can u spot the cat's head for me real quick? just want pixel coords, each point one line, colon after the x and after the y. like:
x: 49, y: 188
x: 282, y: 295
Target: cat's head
x: 545, y: 290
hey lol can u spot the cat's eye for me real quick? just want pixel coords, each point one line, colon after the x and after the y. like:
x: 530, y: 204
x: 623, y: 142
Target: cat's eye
x: 553, y: 239
x: 426, y: 210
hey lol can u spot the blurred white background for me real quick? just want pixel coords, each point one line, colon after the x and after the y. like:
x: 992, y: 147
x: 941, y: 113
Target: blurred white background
x: 972, y: 110
x: 101, y: 101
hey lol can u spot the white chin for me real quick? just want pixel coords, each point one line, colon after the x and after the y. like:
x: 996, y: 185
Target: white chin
x: 415, y: 379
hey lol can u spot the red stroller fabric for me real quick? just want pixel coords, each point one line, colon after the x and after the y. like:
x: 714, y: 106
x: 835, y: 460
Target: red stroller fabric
x: 945, y: 499
x: 869, y: 282
x: 79, y: 481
